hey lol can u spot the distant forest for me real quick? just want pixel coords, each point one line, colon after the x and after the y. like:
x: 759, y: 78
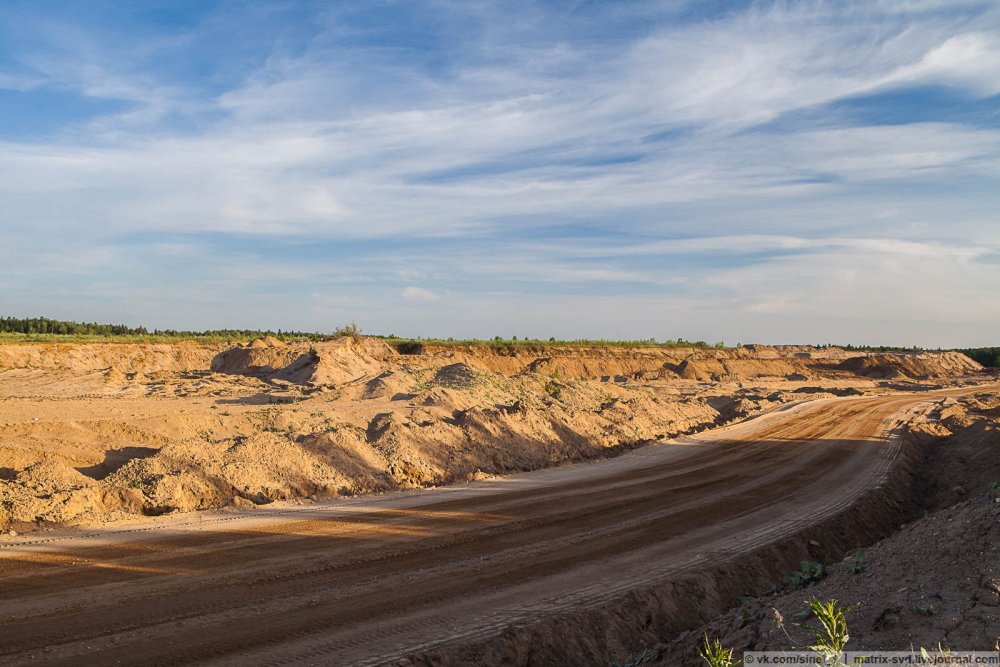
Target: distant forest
x: 46, y: 326
x: 43, y: 325
x: 987, y: 356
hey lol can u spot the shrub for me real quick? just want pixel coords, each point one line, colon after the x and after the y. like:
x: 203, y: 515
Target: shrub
x: 409, y: 347
x: 348, y: 331
x: 553, y: 389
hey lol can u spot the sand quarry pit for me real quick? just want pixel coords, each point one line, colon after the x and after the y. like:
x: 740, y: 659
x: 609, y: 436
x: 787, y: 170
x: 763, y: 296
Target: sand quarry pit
x: 372, y: 507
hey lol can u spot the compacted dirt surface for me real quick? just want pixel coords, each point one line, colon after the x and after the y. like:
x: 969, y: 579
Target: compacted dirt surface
x: 566, y: 565
x: 932, y: 584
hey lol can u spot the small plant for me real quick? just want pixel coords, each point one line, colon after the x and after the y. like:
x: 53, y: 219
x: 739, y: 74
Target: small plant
x: 857, y: 563
x: 553, y: 389
x: 745, y: 617
x: 607, y: 402
x: 809, y: 573
x: 716, y: 655
x: 831, y: 636
x: 930, y: 656
x: 929, y: 610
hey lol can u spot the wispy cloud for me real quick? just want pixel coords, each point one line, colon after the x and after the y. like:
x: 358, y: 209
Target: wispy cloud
x: 646, y: 154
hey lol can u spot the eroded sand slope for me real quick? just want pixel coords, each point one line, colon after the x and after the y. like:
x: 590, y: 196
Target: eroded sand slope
x: 95, y: 432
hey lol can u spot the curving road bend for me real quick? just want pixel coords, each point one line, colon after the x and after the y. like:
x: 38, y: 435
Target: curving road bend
x: 368, y: 581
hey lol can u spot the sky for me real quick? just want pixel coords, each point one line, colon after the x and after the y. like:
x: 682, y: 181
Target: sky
x: 773, y: 172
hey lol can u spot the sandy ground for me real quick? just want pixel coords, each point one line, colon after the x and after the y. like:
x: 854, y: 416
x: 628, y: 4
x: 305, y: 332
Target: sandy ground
x: 933, y: 583
x: 449, y: 575
x: 326, y: 535
x: 97, y: 433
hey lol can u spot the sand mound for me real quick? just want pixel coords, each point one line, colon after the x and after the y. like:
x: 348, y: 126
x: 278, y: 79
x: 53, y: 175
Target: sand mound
x: 347, y: 360
x: 702, y: 370
x: 388, y: 385
x: 912, y: 366
x: 114, y: 375
x: 334, y: 362
x: 455, y: 375
x: 256, y: 358
x: 48, y: 476
x: 266, y: 342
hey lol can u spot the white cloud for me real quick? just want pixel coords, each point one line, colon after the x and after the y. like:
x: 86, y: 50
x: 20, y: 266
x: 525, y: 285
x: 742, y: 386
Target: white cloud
x: 969, y: 60
x: 419, y: 294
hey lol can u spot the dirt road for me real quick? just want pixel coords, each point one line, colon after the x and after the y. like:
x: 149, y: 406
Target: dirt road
x: 371, y: 580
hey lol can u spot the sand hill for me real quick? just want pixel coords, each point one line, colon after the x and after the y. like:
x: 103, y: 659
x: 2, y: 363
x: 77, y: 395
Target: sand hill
x: 93, y: 432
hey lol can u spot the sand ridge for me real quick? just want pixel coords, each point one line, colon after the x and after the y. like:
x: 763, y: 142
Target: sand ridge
x: 91, y: 433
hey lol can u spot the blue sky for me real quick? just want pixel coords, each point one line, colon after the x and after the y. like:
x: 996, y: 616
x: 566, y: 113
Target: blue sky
x: 769, y: 172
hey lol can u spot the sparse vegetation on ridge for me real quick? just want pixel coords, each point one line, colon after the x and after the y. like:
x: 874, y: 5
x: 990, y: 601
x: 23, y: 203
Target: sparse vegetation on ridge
x: 515, y: 344
x: 43, y: 329
x: 46, y: 330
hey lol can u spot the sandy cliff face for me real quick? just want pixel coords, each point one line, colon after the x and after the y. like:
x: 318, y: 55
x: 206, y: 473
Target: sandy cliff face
x: 97, y: 431
x: 126, y: 357
x: 342, y: 361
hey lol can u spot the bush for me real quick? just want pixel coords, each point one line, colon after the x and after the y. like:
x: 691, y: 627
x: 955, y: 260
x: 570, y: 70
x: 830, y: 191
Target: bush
x: 409, y: 347
x: 348, y: 331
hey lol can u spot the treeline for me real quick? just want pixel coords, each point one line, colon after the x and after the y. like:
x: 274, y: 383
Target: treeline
x: 42, y: 328
x: 46, y: 326
x: 987, y: 356
x: 874, y: 348
x: 43, y: 325
x: 541, y: 343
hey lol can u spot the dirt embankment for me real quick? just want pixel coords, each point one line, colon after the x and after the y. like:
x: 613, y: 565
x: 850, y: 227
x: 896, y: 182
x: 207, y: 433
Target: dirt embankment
x: 122, y: 357
x: 713, y: 365
x: 933, y: 583
x: 99, y: 431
